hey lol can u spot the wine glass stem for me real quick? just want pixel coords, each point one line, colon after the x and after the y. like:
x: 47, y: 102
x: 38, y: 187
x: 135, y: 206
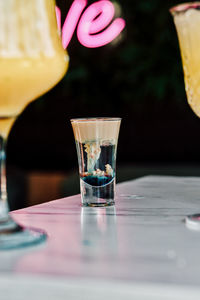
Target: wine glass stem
x: 3, y: 186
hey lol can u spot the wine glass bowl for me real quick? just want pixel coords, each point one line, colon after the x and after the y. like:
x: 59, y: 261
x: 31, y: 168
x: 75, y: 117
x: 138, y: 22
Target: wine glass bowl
x: 187, y: 21
x: 32, y: 59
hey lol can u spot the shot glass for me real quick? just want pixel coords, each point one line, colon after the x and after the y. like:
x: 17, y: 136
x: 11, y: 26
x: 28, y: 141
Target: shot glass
x: 96, y: 143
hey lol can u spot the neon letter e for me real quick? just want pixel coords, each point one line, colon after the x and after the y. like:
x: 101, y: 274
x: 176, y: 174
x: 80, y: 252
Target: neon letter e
x: 95, y: 19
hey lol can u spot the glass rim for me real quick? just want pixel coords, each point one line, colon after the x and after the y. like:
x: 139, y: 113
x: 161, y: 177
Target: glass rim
x: 94, y: 119
x: 183, y: 7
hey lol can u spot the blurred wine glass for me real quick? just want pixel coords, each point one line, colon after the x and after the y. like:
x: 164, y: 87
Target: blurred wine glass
x: 187, y: 21
x: 32, y: 61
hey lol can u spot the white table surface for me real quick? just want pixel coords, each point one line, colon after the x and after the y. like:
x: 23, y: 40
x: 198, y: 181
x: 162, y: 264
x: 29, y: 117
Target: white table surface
x: 138, y: 249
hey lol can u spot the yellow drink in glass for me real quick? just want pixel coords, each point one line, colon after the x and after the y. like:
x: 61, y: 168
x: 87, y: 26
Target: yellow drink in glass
x: 31, y: 59
x: 187, y: 21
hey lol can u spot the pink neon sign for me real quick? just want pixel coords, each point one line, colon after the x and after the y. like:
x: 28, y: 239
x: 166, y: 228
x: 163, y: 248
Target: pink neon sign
x: 94, y: 27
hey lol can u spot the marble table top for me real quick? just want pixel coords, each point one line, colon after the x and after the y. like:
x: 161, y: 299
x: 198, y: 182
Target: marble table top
x: 140, y: 242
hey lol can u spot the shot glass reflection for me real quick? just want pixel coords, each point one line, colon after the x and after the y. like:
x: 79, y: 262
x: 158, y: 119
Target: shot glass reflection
x: 99, y: 232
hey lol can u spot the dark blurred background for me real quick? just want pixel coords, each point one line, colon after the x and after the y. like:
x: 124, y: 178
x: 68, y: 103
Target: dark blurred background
x: 138, y: 78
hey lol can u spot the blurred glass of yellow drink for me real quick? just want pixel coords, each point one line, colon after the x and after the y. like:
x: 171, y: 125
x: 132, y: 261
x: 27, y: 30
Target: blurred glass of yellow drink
x: 187, y: 21
x: 32, y: 59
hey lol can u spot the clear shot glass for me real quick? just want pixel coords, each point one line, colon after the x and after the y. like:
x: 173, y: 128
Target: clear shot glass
x: 96, y: 143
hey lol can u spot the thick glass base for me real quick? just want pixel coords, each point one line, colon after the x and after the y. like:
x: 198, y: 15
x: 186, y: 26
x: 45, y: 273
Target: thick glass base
x: 97, y: 196
x: 14, y: 236
x: 101, y: 204
x: 193, y: 221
